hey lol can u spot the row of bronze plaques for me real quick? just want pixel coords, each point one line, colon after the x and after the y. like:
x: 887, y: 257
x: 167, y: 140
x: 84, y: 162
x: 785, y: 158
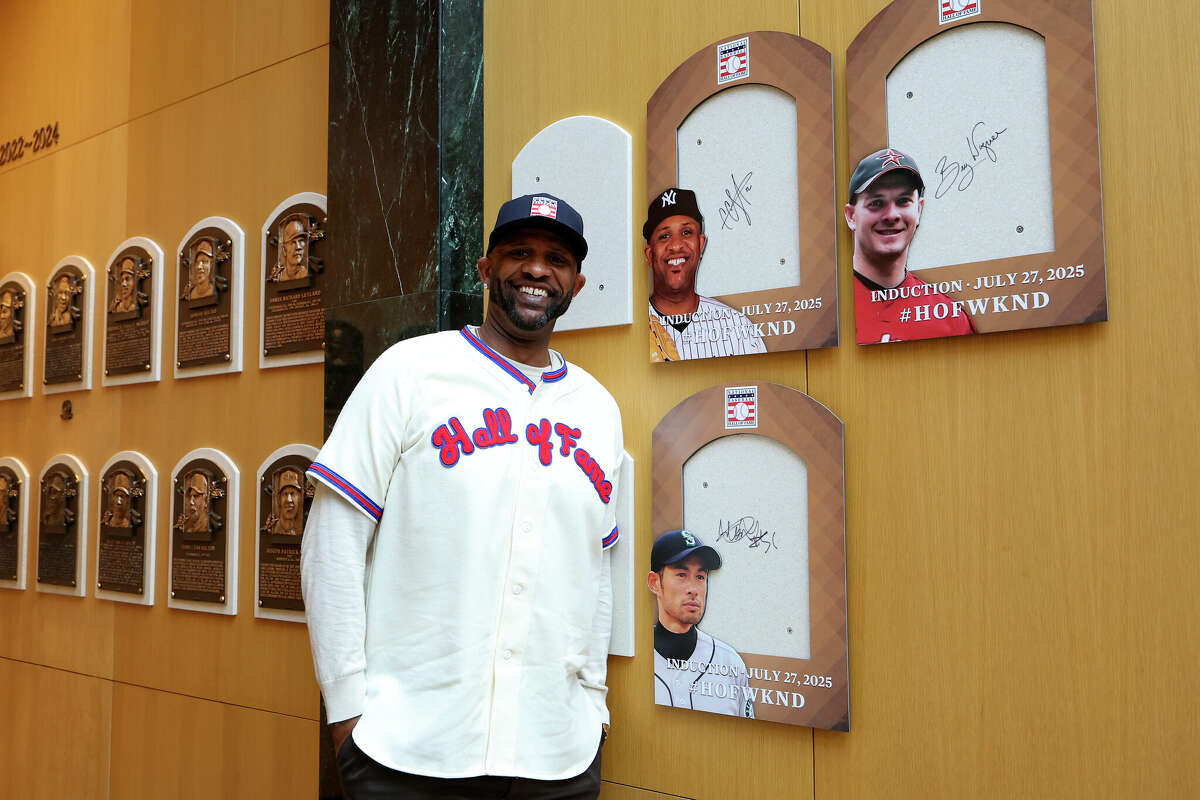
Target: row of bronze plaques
x: 208, y: 292
x: 203, y: 529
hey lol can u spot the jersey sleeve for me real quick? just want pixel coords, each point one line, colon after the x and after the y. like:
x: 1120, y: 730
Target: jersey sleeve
x: 362, y: 451
x: 610, y: 531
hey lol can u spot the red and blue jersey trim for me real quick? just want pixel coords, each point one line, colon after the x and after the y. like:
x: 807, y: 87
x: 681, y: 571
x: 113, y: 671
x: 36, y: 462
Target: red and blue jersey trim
x: 347, y: 489
x: 503, y: 363
x: 611, y: 539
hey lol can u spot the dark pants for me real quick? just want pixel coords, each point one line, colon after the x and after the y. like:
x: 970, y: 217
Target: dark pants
x: 364, y: 778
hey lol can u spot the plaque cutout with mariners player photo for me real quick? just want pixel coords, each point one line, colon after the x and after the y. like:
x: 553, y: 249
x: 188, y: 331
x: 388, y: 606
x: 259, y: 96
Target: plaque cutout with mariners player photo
x: 994, y: 103
x: 14, y: 522
x: 751, y: 476
x: 292, y: 323
x: 62, y: 526
x: 133, y: 313
x: 17, y: 308
x: 126, y: 519
x: 747, y: 125
x: 202, y: 575
x: 284, y: 497
x: 67, y: 365
x: 209, y: 299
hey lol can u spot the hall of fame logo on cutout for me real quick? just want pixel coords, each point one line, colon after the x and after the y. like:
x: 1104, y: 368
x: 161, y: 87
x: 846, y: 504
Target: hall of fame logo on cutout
x: 954, y: 10
x: 741, y: 407
x: 733, y: 60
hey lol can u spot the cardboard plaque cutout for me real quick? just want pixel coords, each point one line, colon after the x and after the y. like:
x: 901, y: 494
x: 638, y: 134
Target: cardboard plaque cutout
x: 208, y: 293
x: 127, y: 516
x: 284, y: 497
x: 62, y: 532
x: 14, y: 522
x: 995, y: 105
x: 292, y: 323
x: 747, y: 124
x: 749, y: 522
x: 17, y: 298
x: 204, y: 502
x: 133, y: 313
x: 67, y: 365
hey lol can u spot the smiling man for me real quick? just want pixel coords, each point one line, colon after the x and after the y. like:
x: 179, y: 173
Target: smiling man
x: 691, y: 669
x: 890, y: 303
x: 684, y: 324
x: 455, y: 561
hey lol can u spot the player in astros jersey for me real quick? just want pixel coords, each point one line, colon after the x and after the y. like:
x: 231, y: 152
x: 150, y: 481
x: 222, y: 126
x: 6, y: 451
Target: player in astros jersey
x: 691, y: 669
x: 684, y: 324
x: 890, y: 303
x: 455, y: 562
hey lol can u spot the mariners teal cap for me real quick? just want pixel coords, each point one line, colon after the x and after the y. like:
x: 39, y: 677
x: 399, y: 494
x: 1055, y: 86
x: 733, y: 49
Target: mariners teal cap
x: 674, y: 546
x: 541, y: 211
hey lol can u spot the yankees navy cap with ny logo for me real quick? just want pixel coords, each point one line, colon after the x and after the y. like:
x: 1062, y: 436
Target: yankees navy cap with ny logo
x: 542, y: 211
x: 670, y: 203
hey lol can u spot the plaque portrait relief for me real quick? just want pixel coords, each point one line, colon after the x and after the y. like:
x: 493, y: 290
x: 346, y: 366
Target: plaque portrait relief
x: 209, y: 299
x: 11, y: 526
x: 203, y: 533
x: 284, y: 498
x: 68, y: 326
x: 292, y: 325
x: 121, y: 554
x: 11, y: 303
x: 16, y: 299
x: 61, y: 508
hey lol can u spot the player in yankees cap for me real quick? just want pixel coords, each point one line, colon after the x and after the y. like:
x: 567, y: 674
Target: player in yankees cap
x: 892, y: 304
x: 684, y: 324
x: 691, y: 668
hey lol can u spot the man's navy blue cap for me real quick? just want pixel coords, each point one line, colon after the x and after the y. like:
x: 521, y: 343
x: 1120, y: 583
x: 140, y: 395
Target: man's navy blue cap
x: 674, y: 546
x: 541, y: 211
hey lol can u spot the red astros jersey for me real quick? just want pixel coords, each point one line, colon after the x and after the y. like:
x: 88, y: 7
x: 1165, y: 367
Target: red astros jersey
x: 912, y: 310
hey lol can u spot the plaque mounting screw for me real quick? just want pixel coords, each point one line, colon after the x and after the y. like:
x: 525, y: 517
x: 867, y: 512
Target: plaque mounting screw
x: 699, y: 142
x: 227, y: 356
x: 1020, y: 229
x: 221, y: 598
x: 99, y: 585
x: 602, y: 287
x: 260, y: 603
x: 172, y: 594
x: 782, y: 260
x: 106, y: 372
x: 145, y: 366
x: 908, y: 95
x: 179, y: 363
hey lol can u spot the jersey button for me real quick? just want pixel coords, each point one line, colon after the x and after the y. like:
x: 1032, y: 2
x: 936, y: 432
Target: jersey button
x: 507, y: 655
x: 527, y: 526
x: 517, y: 588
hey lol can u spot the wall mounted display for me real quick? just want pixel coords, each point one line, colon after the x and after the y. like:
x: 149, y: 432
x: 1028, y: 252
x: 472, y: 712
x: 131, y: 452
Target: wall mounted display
x: 1011, y: 222
x: 127, y: 515
x: 209, y: 297
x: 14, y: 522
x: 588, y: 161
x: 204, y: 533
x: 17, y: 314
x: 283, y: 499
x: 62, y: 526
x: 67, y: 365
x: 623, y: 641
x: 747, y: 124
x: 754, y: 475
x: 133, y: 313
x: 291, y: 327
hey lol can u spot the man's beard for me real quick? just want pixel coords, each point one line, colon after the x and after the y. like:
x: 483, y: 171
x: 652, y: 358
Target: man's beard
x: 506, y: 296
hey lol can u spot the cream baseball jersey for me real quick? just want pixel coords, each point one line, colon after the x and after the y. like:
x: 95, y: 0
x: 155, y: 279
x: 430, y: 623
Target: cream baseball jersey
x: 714, y: 679
x: 494, y: 496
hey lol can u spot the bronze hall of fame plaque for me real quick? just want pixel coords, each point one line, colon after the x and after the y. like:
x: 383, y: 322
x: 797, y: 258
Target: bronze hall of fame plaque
x: 58, y: 527
x: 12, y: 337
x: 198, y: 546
x: 286, y: 495
x: 127, y: 321
x: 293, y: 317
x: 122, y: 550
x: 204, y: 320
x: 10, y: 524
x: 65, y: 323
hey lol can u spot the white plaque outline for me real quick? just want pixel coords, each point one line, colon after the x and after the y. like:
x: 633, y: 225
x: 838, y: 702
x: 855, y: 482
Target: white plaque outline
x: 22, y: 521
x: 623, y: 568
x: 232, y: 511
x: 154, y: 374
x: 82, y: 529
x: 284, y: 359
x: 87, y: 308
x: 237, y: 295
x: 309, y: 452
x: 149, y: 528
x: 30, y: 321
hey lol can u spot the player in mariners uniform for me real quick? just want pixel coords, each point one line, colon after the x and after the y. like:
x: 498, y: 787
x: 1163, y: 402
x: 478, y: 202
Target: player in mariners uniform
x: 684, y: 324
x: 886, y: 198
x: 455, y: 563
x: 691, y: 669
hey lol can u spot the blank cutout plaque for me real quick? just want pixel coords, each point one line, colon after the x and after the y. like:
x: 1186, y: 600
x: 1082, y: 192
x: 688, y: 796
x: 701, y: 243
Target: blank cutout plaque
x: 755, y: 471
x: 996, y: 103
x: 747, y: 123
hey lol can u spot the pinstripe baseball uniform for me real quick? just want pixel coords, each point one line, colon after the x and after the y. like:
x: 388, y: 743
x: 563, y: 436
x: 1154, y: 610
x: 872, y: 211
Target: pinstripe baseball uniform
x: 712, y: 330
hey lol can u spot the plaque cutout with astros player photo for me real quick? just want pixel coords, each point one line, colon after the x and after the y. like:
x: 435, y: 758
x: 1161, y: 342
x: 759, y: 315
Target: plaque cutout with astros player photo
x: 284, y: 497
x: 747, y: 124
x: 995, y: 103
x: 209, y: 299
x: 14, y: 522
x: 133, y: 313
x: 18, y: 316
x: 754, y: 474
x: 127, y: 514
x: 291, y: 327
x: 203, y: 566
x: 67, y: 361
x: 62, y: 526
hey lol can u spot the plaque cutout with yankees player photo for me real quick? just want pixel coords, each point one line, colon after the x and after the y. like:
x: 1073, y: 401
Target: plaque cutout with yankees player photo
x: 291, y: 327
x: 209, y: 299
x: 18, y: 298
x: 133, y: 313
x: 67, y: 362
x: 62, y: 526
x: 203, y: 570
x: 979, y: 120
x: 284, y: 497
x: 748, y: 561
x: 740, y: 188
x: 14, y: 522
x: 126, y: 519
